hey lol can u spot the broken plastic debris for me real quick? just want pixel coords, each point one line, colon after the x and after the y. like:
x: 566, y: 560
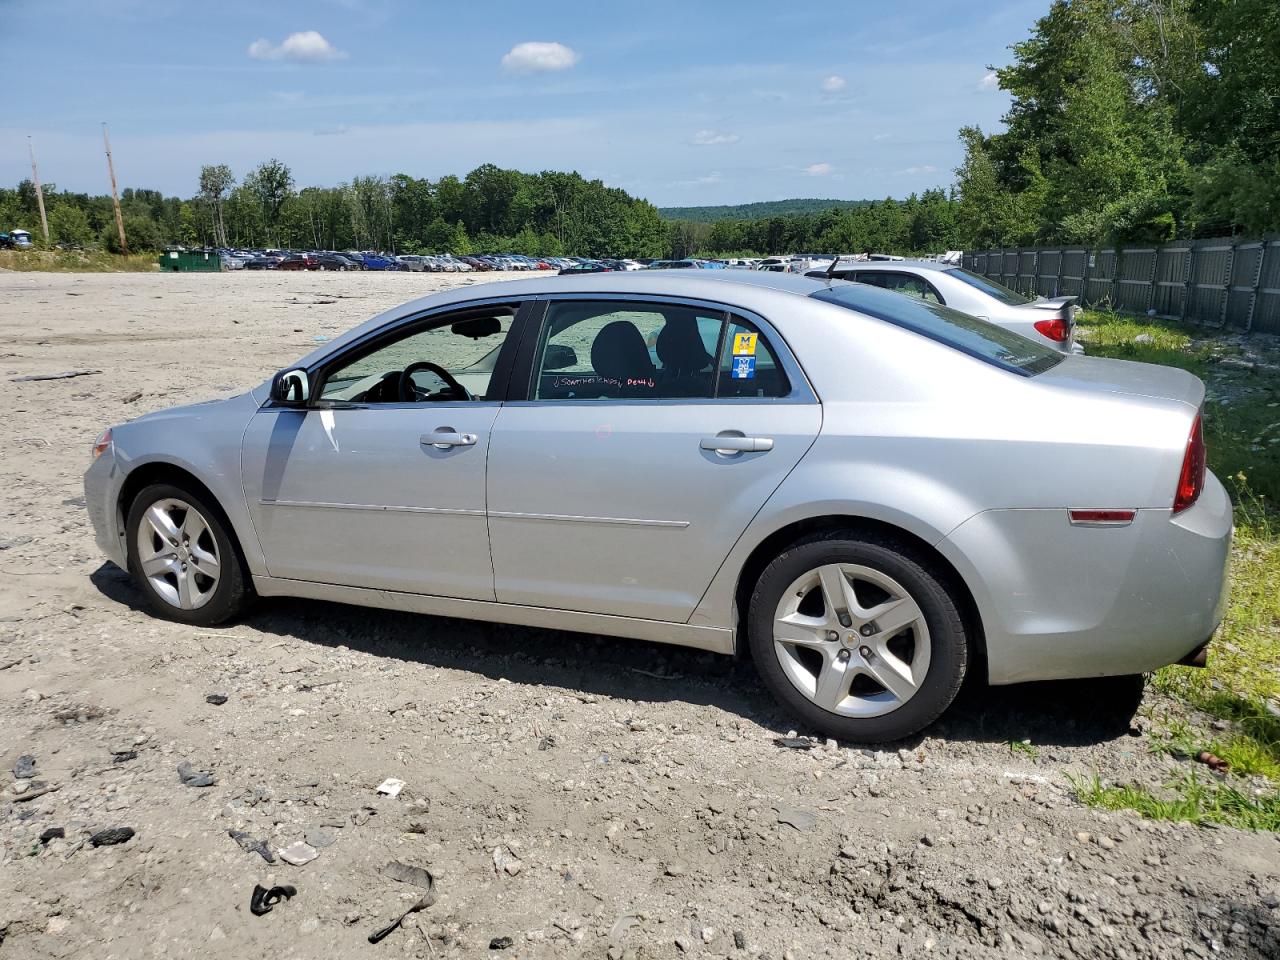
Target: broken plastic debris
x: 427, y: 900
x: 391, y: 787
x: 407, y: 873
x: 793, y: 817
x: 794, y: 743
x: 262, y: 899
x: 111, y: 836
x: 298, y: 853
x: 250, y: 845
x: 192, y: 777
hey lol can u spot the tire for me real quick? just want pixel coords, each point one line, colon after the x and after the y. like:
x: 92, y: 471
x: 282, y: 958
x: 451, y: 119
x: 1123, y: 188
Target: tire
x: 169, y: 574
x: 825, y: 669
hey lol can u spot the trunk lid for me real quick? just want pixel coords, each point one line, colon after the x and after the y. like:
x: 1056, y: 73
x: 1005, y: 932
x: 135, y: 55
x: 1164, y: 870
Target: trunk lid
x: 1127, y: 377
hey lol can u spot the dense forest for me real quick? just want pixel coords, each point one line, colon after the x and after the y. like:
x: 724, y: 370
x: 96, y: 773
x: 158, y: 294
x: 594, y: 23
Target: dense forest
x: 1130, y: 120
x: 755, y: 211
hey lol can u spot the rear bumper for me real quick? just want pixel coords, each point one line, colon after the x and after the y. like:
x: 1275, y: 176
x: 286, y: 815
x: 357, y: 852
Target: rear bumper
x: 1061, y: 602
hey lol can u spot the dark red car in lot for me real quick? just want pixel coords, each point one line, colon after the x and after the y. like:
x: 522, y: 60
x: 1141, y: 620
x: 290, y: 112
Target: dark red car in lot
x: 299, y: 261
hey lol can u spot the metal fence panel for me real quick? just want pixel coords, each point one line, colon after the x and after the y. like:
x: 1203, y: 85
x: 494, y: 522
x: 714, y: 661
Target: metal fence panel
x: 1228, y: 281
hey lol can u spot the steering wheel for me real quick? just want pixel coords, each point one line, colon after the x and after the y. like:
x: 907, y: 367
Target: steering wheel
x: 409, y: 391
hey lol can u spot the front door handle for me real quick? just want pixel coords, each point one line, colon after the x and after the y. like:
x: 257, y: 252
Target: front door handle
x: 442, y: 438
x: 729, y: 443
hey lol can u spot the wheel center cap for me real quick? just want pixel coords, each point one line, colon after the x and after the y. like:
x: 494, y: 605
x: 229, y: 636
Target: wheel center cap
x: 850, y: 640
x: 184, y: 553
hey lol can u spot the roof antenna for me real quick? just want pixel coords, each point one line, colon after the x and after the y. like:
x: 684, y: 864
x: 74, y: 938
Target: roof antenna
x: 831, y: 270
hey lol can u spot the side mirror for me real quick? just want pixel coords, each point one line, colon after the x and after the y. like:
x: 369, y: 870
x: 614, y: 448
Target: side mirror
x: 559, y: 357
x: 291, y: 387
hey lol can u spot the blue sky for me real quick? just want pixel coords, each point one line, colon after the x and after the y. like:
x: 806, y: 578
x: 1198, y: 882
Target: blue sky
x: 683, y: 103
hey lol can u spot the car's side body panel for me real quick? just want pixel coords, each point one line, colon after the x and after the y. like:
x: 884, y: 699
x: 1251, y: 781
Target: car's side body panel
x: 979, y: 463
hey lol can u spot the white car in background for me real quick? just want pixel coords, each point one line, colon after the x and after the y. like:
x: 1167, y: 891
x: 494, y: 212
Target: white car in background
x: 1048, y: 321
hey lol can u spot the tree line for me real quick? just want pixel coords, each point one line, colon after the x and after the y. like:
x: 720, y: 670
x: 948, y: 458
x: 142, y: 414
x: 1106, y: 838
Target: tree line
x: 488, y: 210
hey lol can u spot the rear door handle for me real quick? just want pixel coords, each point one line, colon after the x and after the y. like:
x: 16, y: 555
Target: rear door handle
x: 727, y: 444
x: 442, y: 438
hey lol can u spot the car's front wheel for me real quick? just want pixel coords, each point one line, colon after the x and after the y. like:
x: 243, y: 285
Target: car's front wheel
x: 182, y: 557
x: 859, y: 636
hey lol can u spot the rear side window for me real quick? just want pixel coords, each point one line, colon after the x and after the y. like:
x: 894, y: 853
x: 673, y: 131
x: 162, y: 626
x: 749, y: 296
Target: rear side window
x: 978, y: 338
x: 613, y: 350
x: 992, y: 289
x: 748, y: 366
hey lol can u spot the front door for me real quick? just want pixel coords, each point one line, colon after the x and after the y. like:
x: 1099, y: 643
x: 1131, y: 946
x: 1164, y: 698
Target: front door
x: 653, y: 432
x: 380, y: 481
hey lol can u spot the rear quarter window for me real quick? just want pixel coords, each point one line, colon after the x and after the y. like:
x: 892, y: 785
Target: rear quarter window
x: 978, y: 338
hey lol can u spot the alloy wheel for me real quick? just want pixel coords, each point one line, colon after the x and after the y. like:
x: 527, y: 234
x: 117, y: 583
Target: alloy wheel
x: 852, y: 640
x: 178, y: 553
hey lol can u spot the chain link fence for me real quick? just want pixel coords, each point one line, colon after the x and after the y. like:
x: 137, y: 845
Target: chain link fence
x: 1226, y: 282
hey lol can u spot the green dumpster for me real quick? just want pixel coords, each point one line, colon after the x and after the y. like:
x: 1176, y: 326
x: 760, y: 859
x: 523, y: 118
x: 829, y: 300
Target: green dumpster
x: 190, y: 261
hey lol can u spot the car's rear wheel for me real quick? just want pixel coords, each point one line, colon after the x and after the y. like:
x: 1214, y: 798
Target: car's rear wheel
x: 183, y: 558
x: 858, y: 636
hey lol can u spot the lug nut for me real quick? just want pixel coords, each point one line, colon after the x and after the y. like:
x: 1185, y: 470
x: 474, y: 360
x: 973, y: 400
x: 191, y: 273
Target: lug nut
x: 867, y: 630
x: 833, y: 635
x: 844, y: 620
x: 865, y: 652
x: 842, y: 656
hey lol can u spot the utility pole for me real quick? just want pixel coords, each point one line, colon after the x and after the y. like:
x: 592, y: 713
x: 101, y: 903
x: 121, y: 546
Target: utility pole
x: 115, y: 196
x: 35, y: 178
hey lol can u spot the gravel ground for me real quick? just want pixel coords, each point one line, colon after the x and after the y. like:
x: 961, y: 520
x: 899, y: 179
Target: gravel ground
x: 577, y: 795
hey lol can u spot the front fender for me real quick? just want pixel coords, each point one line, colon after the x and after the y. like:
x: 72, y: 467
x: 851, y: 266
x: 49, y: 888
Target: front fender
x: 203, y: 440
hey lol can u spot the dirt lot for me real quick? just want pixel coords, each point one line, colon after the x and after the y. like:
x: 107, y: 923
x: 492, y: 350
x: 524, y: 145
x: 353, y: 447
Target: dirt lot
x: 580, y: 796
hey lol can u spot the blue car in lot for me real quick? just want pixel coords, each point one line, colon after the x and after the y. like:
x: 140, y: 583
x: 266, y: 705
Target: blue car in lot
x: 376, y: 261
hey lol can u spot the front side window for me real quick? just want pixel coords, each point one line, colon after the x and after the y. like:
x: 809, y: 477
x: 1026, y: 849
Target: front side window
x: 616, y: 350
x: 449, y: 360
x: 978, y: 338
x: 992, y: 289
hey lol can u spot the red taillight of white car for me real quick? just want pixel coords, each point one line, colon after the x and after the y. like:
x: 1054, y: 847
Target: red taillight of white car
x: 1055, y: 328
x: 1191, y: 479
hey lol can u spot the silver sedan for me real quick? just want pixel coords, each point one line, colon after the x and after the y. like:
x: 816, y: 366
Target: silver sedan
x: 871, y: 495
x: 1047, y: 320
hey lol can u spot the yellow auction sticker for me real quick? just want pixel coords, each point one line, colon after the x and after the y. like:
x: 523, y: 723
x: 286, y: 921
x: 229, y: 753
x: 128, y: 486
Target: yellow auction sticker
x: 744, y: 344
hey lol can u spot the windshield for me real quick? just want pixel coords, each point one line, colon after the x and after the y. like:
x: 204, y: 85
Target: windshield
x: 978, y: 338
x: 992, y: 289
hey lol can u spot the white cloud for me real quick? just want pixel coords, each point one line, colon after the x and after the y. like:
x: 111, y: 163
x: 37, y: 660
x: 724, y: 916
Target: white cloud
x: 305, y: 47
x: 913, y: 171
x: 989, y: 81
x: 818, y: 169
x: 834, y: 83
x: 711, y: 138
x: 538, y: 57
x: 882, y: 136
x: 706, y: 181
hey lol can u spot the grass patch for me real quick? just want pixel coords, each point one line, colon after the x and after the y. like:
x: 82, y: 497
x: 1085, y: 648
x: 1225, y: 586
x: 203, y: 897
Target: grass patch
x: 1241, y: 685
x: 1192, y: 798
x: 77, y: 261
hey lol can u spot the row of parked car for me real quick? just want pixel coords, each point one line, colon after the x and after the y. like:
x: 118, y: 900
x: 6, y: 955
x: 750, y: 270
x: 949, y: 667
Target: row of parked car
x: 373, y: 260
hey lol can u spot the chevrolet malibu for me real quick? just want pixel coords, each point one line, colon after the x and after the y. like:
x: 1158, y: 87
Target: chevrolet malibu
x: 869, y: 494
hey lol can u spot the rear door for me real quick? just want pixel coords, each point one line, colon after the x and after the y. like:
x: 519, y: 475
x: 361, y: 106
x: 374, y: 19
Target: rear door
x: 651, y: 433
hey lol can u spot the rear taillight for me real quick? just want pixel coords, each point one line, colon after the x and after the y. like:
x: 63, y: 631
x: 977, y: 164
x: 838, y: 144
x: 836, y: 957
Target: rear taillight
x: 1191, y: 479
x: 1055, y: 329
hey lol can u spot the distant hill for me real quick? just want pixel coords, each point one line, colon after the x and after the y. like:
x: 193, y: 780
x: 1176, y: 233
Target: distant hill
x: 755, y: 211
